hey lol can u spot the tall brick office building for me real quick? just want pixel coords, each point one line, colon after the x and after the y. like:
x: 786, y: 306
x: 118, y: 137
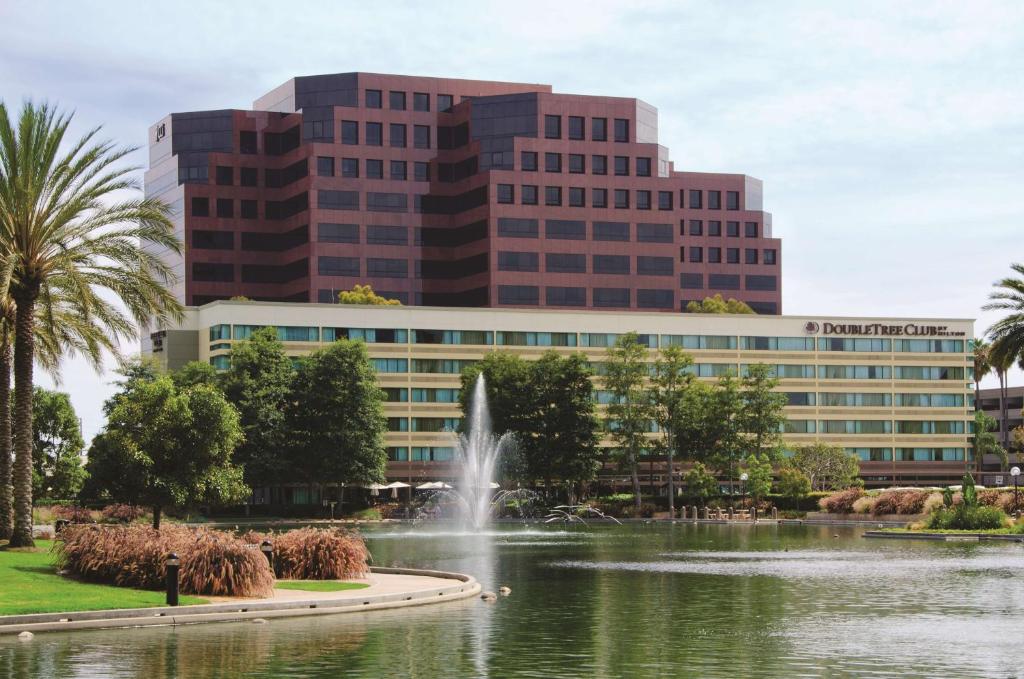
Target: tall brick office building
x: 453, y: 193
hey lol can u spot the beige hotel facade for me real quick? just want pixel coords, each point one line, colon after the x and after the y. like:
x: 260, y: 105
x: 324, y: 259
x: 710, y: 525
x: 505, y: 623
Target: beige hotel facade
x: 896, y: 392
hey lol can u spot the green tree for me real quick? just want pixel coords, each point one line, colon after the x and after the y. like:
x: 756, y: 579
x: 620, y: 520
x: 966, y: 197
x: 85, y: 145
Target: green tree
x: 1007, y: 335
x: 194, y: 373
x: 335, y: 417
x: 258, y: 384
x: 827, y: 466
x: 165, y: 446
x: 982, y: 367
x: 364, y: 294
x: 630, y: 413
x: 985, y: 442
x: 700, y: 483
x: 763, y: 415
x: 57, y: 469
x: 718, y: 305
x: 724, y: 428
x: 793, y: 483
x: 673, y: 379
x: 759, y: 476
x: 64, y: 226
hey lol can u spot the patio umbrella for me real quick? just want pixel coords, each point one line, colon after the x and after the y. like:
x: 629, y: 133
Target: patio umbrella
x: 375, y: 488
x: 394, y: 488
x: 429, y: 485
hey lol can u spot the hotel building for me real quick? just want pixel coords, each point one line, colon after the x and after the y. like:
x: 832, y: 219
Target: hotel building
x: 898, y: 393
x: 446, y: 192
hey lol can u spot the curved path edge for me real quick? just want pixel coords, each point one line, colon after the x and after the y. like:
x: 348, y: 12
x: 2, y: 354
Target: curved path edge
x: 464, y: 586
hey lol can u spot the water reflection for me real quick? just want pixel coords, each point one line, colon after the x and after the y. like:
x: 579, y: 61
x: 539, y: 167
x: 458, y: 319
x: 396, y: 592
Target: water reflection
x: 635, y: 601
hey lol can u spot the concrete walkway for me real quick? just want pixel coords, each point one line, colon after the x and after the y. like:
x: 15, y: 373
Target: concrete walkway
x: 389, y: 588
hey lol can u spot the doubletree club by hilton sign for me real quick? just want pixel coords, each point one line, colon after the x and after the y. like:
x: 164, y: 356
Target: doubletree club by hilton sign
x: 881, y: 329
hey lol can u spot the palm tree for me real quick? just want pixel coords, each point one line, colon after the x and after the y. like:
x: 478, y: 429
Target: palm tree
x: 982, y: 367
x: 66, y: 233
x: 1007, y: 335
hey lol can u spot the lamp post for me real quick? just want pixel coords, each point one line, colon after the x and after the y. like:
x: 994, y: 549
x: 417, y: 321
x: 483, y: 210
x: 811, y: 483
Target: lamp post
x: 172, y: 565
x: 1015, y: 472
x: 743, y: 478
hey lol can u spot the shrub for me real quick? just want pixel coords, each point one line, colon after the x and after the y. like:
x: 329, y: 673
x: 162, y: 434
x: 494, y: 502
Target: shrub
x: 964, y: 517
x: 212, y: 562
x: 123, y: 513
x: 369, y: 514
x: 319, y: 554
x: 886, y: 503
x: 73, y: 514
x: 933, y: 503
x: 646, y: 511
x: 912, y: 501
x: 864, y: 505
x: 841, y: 502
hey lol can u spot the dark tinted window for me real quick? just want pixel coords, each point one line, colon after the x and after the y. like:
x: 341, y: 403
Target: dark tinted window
x: 622, y: 198
x: 577, y: 197
x: 714, y: 228
x: 200, y: 207
x: 577, y: 163
x: 696, y: 254
x: 444, y: 103
x: 599, y: 197
x: 553, y: 127
x: 664, y: 200
x: 509, y: 227
x: 654, y: 299
x: 372, y: 99
x: 552, y: 195
x: 421, y: 136
x: 249, y: 209
x: 225, y: 208
x: 225, y: 175
x: 691, y: 281
x: 387, y: 235
x: 557, y: 296
x: 506, y: 193
x: 750, y: 229
x: 732, y: 229
x: 213, y: 240
x: 556, y: 262
x: 249, y: 176
x: 732, y: 255
x: 350, y: 168
x: 643, y: 200
x: 374, y: 134
x: 528, y: 194
x: 769, y: 256
x: 399, y: 170
x: 715, y: 255
x: 421, y: 171
x: 614, y: 264
x: 208, y: 271
x: 714, y: 200
x: 696, y: 227
x: 396, y: 135
x: 654, y: 233
x: 518, y: 294
x: 723, y: 281
x: 576, y: 127
x: 552, y: 162
x: 387, y: 268
x: 732, y: 200
x: 654, y: 266
x: 396, y: 101
x: 696, y: 199
x: 374, y: 169
x: 528, y: 161
x: 420, y: 101
x: 621, y: 129
x: 337, y: 266
x: 387, y: 202
x: 599, y: 164
x: 622, y: 166
x: 337, y: 233
x: 349, y: 132
x: 643, y: 167
x: 599, y: 129
x: 760, y: 283
x: 324, y: 166
x: 565, y: 229
x: 247, y: 142
x: 618, y: 231
x: 518, y: 261
x: 611, y: 297
x: 750, y: 256
x: 337, y: 200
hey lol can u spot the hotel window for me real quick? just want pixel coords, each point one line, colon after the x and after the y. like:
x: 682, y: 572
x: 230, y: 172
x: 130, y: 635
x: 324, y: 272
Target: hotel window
x: 622, y: 130
x: 643, y: 200
x: 372, y: 98
x: 247, y: 142
x: 696, y: 199
x: 691, y: 281
x: 699, y: 341
x: 855, y: 426
x: 529, y: 194
x: 481, y: 337
x: 390, y: 365
x: 750, y: 255
x: 528, y: 161
x: 249, y: 176
x: 374, y: 169
x: 715, y: 255
x: 349, y: 132
x: 421, y: 171
x: 599, y: 129
x: 622, y: 166
x: 599, y: 164
x: 350, y: 168
x: 855, y: 400
x: 769, y: 256
x: 576, y: 124
x: 374, y: 134
x: 396, y: 101
x: 786, y: 371
x: 421, y: 136
x: 220, y: 332
x: 386, y: 268
x: 732, y: 200
x: 368, y: 335
x: 643, y: 167
x: 249, y: 209
x: 577, y: 163
x: 399, y: 170
x: 599, y: 198
x: 519, y: 294
x: 696, y: 227
x: 337, y: 233
x: 622, y: 199
x: 324, y: 166
x: 714, y: 228
x: 863, y: 344
x: 553, y: 195
x: 200, y: 207
x: 565, y: 229
x: 444, y: 103
x: 750, y: 229
x: 608, y: 297
x: 552, y: 127
x: 225, y: 208
x: 714, y: 200
x: 732, y: 229
x: 518, y: 261
x: 777, y: 343
x: 509, y: 227
x: 536, y: 339
x: 732, y: 255
x: 225, y: 175
x: 696, y: 255
x: 556, y: 262
x: 610, y: 264
x: 420, y: 101
x: 552, y: 162
x: 798, y: 427
x: 506, y: 193
x: 930, y: 346
x: 561, y: 296
x: 577, y: 197
x: 654, y: 266
x: 800, y: 398
x: 435, y: 395
x: 387, y: 235
x: 398, y: 424
x: 916, y: 372
x: 396, y: 135
x: 664, y: 200
x: 854, y: 372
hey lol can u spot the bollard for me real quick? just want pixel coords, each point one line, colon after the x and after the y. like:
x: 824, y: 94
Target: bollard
x: 753, y: 514
x: 173, y: 565
x: 706, y: 514
x: 268, y: 551
x: 732, y: 514
x: 775, y: 513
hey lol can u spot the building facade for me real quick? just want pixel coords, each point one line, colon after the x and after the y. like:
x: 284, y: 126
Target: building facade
x: 990, y: 403
x: 453, y: 193
x: 898, y: 393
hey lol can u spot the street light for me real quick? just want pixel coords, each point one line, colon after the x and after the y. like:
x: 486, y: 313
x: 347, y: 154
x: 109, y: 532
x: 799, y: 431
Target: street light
x: 1015, y: 472
x: 743, y: 477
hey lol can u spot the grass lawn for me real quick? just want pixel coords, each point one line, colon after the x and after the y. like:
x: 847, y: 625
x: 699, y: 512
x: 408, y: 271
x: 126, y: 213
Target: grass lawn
x: 29, y: 584
x: 319, y: 585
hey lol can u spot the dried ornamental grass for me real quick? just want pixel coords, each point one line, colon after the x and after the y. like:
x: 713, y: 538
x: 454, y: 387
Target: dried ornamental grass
x: 933, y: 503
x: 887, y: 503
x: 912, y: 501
x: 219, y: 564
x: 73, y: 514
x: 317, y: 554
x: 864, y: 505
x: 841, y: 502
x: 123, y: 513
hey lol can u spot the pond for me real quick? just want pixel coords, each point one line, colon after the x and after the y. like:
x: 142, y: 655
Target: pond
x: 639, y: 600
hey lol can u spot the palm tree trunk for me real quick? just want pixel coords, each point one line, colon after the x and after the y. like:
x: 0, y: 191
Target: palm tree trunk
x: 24, y: 346
x: 671, y: 485
x: 6, y: 508
x: 1004, y: 438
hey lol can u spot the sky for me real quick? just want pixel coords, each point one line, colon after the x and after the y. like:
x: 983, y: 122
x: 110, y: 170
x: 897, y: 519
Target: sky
x: 889, y: 136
